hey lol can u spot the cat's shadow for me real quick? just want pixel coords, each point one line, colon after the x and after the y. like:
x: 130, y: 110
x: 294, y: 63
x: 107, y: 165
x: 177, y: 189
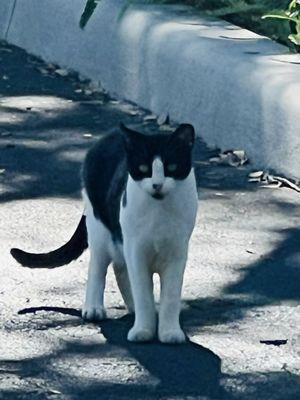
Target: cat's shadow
x: 188, y: 369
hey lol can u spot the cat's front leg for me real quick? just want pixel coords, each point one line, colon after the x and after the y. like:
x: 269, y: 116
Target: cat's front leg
x: 144, y: 328
x: 171, y: 276
x: 98, y: 239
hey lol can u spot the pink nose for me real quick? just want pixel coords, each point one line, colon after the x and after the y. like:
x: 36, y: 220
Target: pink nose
x: 157, y: 186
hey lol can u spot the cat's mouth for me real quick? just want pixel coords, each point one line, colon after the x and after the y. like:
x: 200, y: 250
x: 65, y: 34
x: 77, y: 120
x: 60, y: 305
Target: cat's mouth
x: 157, y: 196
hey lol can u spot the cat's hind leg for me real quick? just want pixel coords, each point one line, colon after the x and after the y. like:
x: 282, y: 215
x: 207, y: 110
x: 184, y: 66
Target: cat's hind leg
x: 98, y: 239
x: 122, y: 279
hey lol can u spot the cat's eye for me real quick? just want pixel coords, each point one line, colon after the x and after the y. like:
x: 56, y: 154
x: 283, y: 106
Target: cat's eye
x: 171, y: 167
x: 144, y: 168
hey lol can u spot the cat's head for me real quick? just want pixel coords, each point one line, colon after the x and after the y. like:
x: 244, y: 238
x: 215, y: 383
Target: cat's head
x: 157, y: 162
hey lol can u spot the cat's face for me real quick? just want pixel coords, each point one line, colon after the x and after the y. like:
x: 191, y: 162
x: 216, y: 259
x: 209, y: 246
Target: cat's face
x: 157, y: 162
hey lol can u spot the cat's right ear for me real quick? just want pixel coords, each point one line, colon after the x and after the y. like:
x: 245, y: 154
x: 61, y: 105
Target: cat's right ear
x: 130, y: 136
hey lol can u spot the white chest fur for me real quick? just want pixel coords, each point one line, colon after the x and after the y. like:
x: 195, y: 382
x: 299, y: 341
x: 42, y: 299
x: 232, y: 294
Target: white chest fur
x: 159, y: 226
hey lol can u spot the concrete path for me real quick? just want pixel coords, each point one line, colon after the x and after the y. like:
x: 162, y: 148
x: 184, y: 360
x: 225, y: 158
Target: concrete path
x: 241, y: 285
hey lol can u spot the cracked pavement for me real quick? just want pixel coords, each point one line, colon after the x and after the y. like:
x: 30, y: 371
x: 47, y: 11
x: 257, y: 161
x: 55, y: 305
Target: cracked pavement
x: 241, y: 284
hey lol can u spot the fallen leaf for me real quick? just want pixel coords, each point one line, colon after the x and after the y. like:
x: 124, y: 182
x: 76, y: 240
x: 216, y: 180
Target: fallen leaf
x: 43, y: 71
x: 271, y: 185
x: 6, y: 49
x: 234, y: 158
x: 256, y: 174
x: 163, y: 119
x: 165, y: 127
x: 53, y: 391
x: 151, y: 117
x: 62, y: 72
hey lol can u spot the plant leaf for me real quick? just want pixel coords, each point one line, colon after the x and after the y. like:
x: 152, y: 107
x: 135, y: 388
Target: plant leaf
x: 280, y: 15
x: 88, y: 12
x: 295, y: 38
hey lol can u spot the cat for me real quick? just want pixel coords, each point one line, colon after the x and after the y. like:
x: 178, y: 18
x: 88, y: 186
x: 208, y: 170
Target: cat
x: 141, y: 203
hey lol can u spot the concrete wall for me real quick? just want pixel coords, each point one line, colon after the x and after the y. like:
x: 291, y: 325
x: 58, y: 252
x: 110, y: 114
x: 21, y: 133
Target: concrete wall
x: 6, y: 12
x: 240, y: 90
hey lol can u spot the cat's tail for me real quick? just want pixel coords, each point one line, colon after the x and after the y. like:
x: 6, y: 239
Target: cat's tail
x: 56, y: 258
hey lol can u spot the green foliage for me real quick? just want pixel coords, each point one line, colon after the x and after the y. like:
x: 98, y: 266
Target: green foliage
x: 292, y: 15
x: 88, y: 12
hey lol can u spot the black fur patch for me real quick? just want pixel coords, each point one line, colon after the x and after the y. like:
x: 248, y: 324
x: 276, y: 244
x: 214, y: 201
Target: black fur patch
x: 105, y: 176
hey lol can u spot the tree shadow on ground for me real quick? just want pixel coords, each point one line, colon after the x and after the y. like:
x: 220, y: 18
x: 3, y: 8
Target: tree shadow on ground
x: 186, y: 370
x: 172, y: 371
x: 276, y: 275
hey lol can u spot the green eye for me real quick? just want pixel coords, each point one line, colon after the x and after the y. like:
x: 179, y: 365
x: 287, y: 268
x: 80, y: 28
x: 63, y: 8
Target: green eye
x: 171, y: 167
x: 143, y: 168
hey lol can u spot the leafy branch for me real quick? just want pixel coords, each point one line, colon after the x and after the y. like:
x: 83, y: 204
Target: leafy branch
x: 292, y: 15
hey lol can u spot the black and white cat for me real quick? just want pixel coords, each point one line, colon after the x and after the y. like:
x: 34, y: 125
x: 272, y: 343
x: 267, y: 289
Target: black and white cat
x: 140, y: 207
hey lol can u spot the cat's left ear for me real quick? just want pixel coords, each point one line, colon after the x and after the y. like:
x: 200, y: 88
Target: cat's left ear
x: 186, y: 134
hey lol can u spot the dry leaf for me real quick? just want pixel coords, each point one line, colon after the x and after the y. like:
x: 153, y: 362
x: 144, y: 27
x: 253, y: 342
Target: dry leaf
x: 43, y: 71
x: 6, y: 49
x: 166, y: 128
x: 62, y: 72
x: 151, y: 117
x: 162, y: 119
x: 53, y: 391
x: 234, y: 158
x: 256, y: 174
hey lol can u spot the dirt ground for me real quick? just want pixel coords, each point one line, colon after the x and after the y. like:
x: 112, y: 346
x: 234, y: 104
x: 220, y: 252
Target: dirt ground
x: 242, y: 281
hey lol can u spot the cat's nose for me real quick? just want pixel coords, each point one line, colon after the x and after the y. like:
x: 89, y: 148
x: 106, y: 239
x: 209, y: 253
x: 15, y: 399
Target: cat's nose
x: 157, y: 186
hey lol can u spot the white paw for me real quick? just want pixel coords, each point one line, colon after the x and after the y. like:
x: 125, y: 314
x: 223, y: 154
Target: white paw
x: 90, y: 313
x: 137, y: 334
x: 174, y: 336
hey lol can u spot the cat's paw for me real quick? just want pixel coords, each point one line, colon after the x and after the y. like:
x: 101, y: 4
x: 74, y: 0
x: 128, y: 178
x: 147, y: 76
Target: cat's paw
x: 93, y: 313
x: 174, y: 336
x: 137, y: 334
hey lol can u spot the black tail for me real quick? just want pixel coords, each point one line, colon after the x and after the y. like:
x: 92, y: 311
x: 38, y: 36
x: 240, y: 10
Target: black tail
x: 56, y: 258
